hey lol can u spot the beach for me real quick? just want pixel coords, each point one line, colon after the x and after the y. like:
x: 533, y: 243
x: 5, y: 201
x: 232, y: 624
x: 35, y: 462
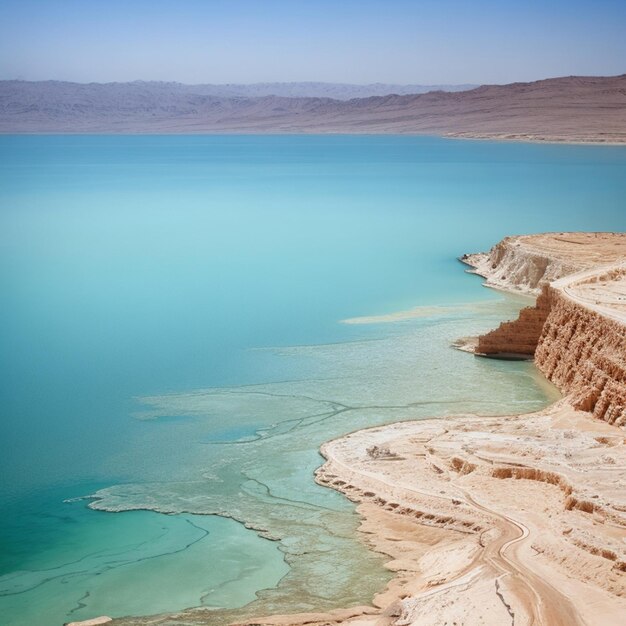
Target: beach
x: 512, y: 519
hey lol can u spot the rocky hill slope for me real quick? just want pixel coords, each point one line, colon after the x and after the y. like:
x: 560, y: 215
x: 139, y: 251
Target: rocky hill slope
x: 559, y: 109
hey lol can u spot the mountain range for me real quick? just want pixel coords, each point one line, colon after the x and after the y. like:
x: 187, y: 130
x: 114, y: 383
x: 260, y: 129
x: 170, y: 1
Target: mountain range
x: 573, y: 108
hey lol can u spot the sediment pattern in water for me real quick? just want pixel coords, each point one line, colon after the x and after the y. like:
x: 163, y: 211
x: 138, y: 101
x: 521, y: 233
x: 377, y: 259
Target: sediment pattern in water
x: 255, y: 448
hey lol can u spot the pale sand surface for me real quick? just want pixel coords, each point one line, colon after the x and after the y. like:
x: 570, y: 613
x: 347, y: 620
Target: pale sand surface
x: 604, y: 292
x: 585, y: 249
x: 511, y: 520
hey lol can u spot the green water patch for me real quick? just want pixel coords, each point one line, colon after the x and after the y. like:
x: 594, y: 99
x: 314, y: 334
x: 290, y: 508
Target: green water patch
x: 118, y: 565
x: 263, y: 475
x: 141, y: 265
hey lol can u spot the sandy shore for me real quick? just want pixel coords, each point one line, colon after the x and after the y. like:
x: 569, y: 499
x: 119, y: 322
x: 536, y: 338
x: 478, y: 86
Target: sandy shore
x: 514, y: 519
x: 573, y: 140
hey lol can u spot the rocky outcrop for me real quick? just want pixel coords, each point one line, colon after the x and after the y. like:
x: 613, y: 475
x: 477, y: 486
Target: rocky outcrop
x: 525, y: 263
x: 512, y: 266
x: 577, y: 329
x: 581, y: 351
x: 584, y: 354
x: 518, y: 338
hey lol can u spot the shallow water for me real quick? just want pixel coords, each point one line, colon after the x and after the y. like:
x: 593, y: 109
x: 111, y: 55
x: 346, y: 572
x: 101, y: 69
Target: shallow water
x: 157, y: 287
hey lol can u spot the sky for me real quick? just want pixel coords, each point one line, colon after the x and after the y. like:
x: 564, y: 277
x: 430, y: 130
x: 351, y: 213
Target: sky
x: 350, y: 41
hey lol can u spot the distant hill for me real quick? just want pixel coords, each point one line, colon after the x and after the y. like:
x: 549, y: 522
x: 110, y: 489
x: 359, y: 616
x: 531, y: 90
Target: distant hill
x: 559, y: 109
x: 337, y: 91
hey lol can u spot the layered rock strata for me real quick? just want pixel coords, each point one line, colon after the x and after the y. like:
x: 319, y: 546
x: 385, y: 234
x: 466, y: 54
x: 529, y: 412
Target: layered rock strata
x: 518, y: 337
x: 525, y: 263
x: 583, y: 352
x: 576, y: 331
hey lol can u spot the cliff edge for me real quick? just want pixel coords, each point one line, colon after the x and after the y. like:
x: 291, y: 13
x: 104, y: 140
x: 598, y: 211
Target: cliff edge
x: 514, y: 519
x: 576, y: 330
x: 524, y: 263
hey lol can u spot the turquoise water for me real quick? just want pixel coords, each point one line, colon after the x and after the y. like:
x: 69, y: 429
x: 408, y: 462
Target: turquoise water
x: 170, y: 342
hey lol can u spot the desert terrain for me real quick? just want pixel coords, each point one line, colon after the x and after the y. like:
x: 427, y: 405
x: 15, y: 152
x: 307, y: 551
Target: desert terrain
x: 568, y: 109
x: 515, y: 519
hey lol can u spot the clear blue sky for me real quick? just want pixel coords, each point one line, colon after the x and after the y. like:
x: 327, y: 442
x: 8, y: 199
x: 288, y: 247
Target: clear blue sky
x: 402, y: 41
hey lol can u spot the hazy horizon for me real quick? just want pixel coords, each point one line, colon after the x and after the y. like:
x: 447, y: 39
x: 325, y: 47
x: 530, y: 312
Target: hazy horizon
x: 232, y: 83
x: 467, y: 85
x: 367, y: 42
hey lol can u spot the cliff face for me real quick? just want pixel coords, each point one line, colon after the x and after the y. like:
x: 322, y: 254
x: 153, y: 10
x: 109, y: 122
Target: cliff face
x: 525, y: 263
x: 577, y: 328
x: 584, y: 354
x: 520, y: 336
x: 512, y: 266
x: 581, y: 351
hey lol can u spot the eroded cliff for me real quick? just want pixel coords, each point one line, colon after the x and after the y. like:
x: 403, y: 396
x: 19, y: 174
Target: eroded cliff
x: 583, y: 352
x: 525, y: 263
x: 518, y: 337
x: 577, y: 328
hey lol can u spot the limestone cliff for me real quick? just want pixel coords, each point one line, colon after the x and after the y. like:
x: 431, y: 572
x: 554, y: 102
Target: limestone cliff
x: 577, y: 328
x: 584, y: 354
x: 525, y: 263
x: 512, y: 267
x: 518, y: 337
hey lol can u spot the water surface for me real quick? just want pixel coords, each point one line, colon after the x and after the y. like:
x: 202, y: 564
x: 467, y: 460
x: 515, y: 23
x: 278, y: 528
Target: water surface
x: 171, y: 342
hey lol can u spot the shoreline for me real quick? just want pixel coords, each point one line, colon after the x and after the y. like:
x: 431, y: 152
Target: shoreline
x: 467, y: 544
x: 496, y: 137
x: 537, y: 138
x: 502, y: 519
